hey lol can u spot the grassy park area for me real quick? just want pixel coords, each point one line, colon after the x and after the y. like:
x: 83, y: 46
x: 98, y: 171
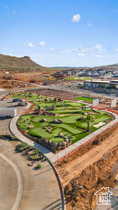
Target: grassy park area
x: 84, y: 99
x: 60, y: 123
x: 70, y: 78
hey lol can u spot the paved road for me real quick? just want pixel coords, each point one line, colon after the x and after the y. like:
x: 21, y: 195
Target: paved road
x: 40, y: 188
x: 8, y: 184
x: 11, y: 184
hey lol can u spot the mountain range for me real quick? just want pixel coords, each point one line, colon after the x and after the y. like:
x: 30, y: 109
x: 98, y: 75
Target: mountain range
x: 26, y: 64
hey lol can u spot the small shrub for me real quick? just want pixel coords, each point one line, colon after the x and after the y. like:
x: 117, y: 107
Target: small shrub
x: 37, y: 167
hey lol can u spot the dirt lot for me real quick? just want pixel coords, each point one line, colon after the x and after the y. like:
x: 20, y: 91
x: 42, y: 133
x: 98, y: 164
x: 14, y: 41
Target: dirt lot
x: 89, y: 172
x: 57, y: 93
x: 11, y: 84
x: 11, y: 80
x: 37, y: 77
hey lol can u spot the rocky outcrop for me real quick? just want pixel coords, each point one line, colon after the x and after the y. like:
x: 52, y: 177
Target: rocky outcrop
x: 80, y: 192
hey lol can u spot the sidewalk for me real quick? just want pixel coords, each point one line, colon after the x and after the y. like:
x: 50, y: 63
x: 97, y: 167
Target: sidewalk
x: 14, y: 130
x: 50, y: 155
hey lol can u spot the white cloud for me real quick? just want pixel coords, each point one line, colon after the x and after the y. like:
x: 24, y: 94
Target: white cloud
x: 30, y: 44
x: 99, y: 47
x: 42, y: 44
x: 4, y: 49
x: 89, y: 24
x: 85, y: 51
x: 52, y: 49
x: 74, y: 50
x: 99, y: 56
x: 98, y: 50
x: 82, y: 54
x: 76, y: 18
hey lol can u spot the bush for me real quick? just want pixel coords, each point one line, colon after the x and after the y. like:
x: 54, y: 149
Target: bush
x: 34, y: 157
x: 37, y: 167
x: 21, y: 147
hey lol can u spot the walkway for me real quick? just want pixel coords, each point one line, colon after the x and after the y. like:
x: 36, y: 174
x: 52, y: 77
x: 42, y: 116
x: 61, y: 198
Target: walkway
x: 14, y: 130
x: 55, y: 157
x: 40, y: 188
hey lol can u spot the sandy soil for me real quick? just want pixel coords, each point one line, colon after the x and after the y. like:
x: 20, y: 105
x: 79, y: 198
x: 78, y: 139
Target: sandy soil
x: 95, y: 154
x: 57, y: 93
x: 93, y: 170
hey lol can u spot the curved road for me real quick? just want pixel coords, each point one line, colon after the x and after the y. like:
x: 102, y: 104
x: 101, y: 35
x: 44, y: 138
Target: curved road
x: 11, y: 183
x: 21, y: 187
x: 8, y: 185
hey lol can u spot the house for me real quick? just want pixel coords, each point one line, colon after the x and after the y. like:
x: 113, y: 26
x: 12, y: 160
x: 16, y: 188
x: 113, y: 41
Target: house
x: 96, y: 84
x: 114, y: 83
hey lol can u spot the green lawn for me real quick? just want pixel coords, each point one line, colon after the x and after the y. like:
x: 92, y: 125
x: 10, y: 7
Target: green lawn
x: 72, y: 120
x: 85, y: 99
x: 39, y: 132
x: 77, y: 78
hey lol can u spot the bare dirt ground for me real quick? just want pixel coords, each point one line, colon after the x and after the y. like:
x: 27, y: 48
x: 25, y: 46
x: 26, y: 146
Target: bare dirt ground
x: 11, y: 84
x: 57, y: 93
x: 33, y: 77
x: 79, y: 164
x: 93, y: 170
x: 13, y: 79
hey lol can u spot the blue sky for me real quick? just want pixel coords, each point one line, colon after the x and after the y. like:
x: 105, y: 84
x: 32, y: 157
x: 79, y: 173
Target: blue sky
x: 60, y: 32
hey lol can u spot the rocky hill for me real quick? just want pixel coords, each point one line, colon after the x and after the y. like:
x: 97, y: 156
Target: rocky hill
x: 19, y: 64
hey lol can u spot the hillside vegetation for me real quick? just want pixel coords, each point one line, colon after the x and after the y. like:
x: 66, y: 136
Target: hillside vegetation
x: 19, y: 64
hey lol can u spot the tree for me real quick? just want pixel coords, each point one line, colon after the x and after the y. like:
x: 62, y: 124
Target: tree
x: 38, y: 107
x: 88, y: 119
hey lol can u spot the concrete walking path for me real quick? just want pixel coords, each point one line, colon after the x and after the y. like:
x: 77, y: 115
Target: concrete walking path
x: 55, y: 157
x: 14, y: 130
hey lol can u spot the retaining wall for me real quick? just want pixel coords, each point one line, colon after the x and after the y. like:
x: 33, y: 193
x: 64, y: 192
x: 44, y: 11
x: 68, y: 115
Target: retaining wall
x: 99, y: 135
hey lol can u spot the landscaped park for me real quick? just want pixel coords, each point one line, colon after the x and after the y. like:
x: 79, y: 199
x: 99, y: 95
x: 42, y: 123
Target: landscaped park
x: 57, y: 123
x: 84, y: 99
